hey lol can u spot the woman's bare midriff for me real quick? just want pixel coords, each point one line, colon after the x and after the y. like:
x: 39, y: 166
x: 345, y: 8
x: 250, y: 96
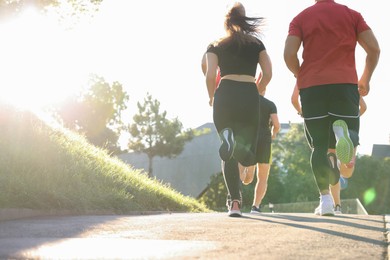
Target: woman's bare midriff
x: 242, y: 78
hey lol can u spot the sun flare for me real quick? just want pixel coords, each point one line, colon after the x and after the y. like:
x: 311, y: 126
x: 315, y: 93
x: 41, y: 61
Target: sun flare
x: 38, y: 61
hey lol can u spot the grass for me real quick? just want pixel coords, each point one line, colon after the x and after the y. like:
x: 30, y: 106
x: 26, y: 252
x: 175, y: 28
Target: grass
x: 42, y: 167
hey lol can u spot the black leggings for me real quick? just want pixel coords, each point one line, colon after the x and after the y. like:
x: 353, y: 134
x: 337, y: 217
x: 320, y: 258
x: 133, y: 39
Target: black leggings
x: 322, y: 105
x: 236, y: 106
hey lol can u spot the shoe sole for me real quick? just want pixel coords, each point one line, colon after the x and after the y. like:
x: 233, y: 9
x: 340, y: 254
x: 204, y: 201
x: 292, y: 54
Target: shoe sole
x: 338, y: 211
x: 323, y: 209
x: 344, y: 145
x: 328, y: 212
x: 227, y: 147
x: 235, y: 214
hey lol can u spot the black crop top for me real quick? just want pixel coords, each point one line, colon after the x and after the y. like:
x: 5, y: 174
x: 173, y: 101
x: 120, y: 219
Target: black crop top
x: 243, y: 62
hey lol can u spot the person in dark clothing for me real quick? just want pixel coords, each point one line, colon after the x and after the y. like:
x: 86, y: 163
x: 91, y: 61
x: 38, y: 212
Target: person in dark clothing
x: 269, y: 127
x: 236, y: 100
x: 346, y: 169
x: 328, y: 83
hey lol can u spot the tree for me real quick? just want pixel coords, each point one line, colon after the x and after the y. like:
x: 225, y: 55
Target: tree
x: 370, y: 183
x: 96, y: 113
x: 291, y: 154
x: 67, y: 8
x: 155, y: 135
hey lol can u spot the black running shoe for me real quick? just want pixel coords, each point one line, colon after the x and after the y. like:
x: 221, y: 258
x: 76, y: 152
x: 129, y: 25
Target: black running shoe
x: 227, y: 147
x: 337, y: 210
x: 256, y: 210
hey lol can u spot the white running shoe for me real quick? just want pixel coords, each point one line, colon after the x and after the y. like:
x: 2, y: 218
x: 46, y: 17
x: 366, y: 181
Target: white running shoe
x: 235, y: 212
x: 344, y: 145
x: 317, y: 211
x: 326, y: 206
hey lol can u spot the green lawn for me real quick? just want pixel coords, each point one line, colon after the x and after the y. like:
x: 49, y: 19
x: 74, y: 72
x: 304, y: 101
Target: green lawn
x: 42, y: 167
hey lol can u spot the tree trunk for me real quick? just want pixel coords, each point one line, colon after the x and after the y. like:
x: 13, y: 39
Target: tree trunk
x: 150, y: 173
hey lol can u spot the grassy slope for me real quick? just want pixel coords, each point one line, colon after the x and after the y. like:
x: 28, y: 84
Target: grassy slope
x: 46, y: 168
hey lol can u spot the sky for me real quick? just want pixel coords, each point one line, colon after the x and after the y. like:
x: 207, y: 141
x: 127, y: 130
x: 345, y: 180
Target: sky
x: 156, y: 47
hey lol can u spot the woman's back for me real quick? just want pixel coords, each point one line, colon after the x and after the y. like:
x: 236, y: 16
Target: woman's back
x: 235, y: 58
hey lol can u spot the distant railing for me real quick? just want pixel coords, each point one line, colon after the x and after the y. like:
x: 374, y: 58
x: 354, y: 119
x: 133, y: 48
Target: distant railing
x: 349, y: 206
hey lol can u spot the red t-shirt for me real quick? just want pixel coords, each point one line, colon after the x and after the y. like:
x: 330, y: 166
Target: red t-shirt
x: 329, y: 34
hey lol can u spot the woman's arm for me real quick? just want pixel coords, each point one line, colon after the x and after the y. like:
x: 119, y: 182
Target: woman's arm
x: 266, y: 71
x: 295, y: 100
x: 275, y: 125
x: 211, y: 74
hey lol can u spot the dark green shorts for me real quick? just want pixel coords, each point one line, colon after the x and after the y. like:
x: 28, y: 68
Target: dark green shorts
x: 335, y: 100
x: 341, y: 100
x: 264, y: 150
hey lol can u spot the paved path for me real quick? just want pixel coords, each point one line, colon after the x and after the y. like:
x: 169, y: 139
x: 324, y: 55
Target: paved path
x: 195, y: 236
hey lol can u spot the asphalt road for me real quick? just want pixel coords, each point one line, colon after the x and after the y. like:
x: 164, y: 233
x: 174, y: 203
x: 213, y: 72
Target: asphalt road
x: 195, y: 236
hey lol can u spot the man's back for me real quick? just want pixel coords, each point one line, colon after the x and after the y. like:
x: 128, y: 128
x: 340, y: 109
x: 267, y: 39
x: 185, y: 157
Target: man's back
x: 329, y: 34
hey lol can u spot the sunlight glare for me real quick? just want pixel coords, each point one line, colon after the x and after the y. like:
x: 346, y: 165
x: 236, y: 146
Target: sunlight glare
x: 38, y: 61
x: 369, y: 196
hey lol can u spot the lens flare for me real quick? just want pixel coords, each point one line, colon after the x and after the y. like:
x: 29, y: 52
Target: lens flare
x: 369, y: 196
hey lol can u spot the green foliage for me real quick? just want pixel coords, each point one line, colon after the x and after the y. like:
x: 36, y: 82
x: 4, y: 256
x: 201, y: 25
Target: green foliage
x: 46, y: 168
x: 96, y: 113
x: 67, y: 9
x: 276, y: 188
x: 214, y: 196
x: 291, y: 154
x: 370, y: 183
x: 155, y: 135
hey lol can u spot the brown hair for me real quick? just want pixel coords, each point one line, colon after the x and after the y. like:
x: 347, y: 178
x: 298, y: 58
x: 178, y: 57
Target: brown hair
x: 239, y: 27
